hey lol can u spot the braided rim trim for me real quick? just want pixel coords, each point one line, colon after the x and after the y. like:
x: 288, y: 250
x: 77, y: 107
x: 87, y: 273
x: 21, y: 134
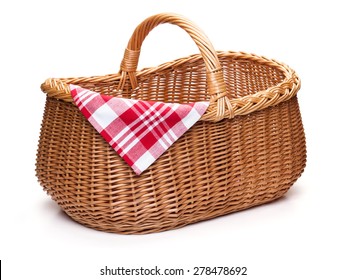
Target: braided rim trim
x: 288, y: 88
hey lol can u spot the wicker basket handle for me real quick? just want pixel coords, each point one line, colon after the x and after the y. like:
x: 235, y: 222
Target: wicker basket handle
x: 220, y: 106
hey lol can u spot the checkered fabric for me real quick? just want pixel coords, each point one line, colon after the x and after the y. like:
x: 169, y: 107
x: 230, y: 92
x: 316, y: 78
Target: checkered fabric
x: 139, y: 131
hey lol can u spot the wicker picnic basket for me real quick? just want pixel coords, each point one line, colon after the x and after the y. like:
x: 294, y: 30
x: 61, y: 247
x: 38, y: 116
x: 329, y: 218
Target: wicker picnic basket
x: 246, y: 150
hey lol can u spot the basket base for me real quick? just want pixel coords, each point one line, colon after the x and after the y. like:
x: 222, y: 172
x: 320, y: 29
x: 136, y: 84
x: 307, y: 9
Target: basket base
x: 156, y: 226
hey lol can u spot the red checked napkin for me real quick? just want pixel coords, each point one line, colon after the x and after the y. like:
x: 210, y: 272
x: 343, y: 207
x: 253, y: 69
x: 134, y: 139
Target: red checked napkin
x: 139, y: 131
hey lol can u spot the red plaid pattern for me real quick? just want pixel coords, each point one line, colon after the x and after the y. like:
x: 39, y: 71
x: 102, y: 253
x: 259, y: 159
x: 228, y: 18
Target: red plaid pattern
x: 139, y: 131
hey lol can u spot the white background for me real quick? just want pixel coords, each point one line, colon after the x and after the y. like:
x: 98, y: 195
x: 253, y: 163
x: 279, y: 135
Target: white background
x: 298, y: 237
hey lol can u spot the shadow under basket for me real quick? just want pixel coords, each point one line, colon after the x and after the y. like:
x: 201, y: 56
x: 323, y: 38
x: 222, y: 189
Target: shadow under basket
x: 247, y: 154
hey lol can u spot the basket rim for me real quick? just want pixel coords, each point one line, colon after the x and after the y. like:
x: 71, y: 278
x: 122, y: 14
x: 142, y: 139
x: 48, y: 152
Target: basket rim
x: 59, y: 87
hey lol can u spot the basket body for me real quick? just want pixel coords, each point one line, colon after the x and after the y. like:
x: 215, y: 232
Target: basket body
x: 214, y: 169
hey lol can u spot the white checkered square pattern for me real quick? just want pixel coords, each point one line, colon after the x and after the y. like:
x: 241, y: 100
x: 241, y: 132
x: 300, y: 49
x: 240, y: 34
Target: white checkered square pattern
x: 139, y: 131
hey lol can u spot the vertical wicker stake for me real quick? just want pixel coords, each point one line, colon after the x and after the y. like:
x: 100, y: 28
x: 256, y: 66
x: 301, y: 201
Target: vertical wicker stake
x: 248, y: 148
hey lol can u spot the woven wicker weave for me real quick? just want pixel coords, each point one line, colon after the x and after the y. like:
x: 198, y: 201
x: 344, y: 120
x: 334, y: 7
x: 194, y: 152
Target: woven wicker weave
x: 248, y: 148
